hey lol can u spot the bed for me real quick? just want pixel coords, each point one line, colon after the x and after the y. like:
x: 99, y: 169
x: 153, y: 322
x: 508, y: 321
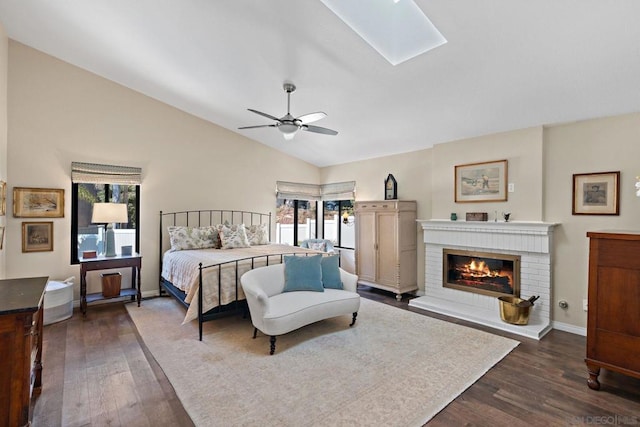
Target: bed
x: 204, y: 277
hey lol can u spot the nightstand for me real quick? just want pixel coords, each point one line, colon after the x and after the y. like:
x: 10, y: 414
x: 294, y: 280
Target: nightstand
x: 107, y: 263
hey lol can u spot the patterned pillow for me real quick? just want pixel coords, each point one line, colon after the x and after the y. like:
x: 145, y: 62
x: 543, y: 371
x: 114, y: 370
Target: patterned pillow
x: 183, y: 238
x: 233, y: 236
x: 258, y: 234
x: 318, y: 246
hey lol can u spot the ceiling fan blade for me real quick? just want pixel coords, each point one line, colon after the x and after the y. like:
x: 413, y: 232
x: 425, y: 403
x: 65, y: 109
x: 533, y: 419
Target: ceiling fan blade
x: 258, y: 126
x: 318, y: 129
x: 268, y: 116
x: 311, y: 117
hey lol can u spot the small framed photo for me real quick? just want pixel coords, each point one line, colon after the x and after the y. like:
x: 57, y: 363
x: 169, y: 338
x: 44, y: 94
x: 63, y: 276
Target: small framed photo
x: 37, y: 236
x: 3, y: 198
x: 481, y: 182
x: 596, y: 193
x: 38, y: 202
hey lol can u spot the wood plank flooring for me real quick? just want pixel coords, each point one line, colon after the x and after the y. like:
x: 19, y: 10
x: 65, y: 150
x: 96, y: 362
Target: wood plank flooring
x: 98, y: 372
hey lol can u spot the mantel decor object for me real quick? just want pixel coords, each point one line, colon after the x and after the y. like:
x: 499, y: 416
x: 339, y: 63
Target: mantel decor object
x: 477, y: 216
x: 390, y: 188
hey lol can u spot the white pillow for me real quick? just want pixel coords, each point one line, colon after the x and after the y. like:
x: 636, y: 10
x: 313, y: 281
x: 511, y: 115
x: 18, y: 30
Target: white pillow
x: 258, y: 234
x: 233, y: 236
x: 183, y: 238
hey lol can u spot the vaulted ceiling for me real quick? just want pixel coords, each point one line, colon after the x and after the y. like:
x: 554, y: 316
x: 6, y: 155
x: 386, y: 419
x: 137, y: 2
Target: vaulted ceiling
x: 507, y: 64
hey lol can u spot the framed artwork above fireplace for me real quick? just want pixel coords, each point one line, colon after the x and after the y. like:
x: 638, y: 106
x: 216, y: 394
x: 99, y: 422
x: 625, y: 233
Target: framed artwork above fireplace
x: 481, y: 182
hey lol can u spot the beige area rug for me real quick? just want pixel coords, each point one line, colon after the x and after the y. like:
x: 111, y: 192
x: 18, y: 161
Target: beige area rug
x: 393, y: 368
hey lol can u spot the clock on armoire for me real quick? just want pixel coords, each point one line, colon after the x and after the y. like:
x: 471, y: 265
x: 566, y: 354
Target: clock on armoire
x: 390, y: 188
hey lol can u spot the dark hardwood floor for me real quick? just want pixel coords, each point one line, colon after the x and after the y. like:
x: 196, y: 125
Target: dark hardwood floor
x: 97, y: 371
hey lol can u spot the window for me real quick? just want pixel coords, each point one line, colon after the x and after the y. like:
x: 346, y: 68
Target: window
x: 295, y: 221
x: 338, y: 223
x: 98, y: 184
x: 297, y: 208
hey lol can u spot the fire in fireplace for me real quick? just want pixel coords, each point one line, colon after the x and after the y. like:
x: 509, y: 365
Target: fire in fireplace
x: 481, y: 272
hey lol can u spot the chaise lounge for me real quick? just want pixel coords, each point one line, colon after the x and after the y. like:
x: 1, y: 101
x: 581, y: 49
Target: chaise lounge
x: 281, y: 301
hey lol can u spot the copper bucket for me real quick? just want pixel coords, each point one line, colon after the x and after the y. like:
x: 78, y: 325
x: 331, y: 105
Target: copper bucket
x: 515, y: 310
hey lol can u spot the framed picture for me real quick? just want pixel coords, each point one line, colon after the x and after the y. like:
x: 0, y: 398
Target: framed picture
x: 38, y: 202
x: 37, y: 236
x: 481, y: 182
x: 596, y: 193
x: 3, y: 198
x: 1, y: 238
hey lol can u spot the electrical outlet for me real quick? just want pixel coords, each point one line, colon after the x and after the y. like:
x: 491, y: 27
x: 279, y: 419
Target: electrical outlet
x: 512, y: 187
x: 585, y: 304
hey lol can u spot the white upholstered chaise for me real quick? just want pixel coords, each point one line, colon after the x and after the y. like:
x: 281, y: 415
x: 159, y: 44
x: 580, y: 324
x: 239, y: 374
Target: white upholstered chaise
x: 275, y: 312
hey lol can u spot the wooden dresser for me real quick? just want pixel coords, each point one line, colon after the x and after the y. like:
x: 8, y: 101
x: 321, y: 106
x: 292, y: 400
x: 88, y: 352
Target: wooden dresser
x: 21, y: 310
x: 613, y: 325
x: 386, y: 245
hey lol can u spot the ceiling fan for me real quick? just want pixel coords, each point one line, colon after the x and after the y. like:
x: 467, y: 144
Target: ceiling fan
x: 288, y: 124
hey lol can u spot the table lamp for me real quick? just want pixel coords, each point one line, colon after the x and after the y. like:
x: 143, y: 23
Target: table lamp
x: 109, y: 213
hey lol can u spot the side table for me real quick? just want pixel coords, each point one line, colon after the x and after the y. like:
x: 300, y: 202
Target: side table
x: 106, y: 263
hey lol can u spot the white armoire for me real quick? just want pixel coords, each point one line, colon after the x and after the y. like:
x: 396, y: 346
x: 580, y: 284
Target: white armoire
x: 386, y: 243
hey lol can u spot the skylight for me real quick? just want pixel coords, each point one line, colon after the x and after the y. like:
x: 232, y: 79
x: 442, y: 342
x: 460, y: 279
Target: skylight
x: 397, y: 29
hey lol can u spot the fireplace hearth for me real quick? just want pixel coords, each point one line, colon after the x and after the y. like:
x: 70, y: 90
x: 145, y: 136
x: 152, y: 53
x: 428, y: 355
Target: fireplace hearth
x: 481, y: 272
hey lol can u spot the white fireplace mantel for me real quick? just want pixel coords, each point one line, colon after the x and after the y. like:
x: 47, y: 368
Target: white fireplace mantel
x: 531, y: 240
x: 516, y: 235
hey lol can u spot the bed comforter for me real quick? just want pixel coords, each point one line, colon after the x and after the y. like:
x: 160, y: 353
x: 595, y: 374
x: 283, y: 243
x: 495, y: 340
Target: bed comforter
x: 181, y: 269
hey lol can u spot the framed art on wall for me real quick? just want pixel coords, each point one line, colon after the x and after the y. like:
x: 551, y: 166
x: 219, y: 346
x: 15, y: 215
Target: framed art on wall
x: 3, y: 198
x: 1, y: 238
x: 481, y: 182
x: 596, y: 193
x: 37, y: 236
x: 38, y: 202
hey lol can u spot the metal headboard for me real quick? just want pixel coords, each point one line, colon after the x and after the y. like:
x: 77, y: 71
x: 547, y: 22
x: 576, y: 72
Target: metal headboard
x: 206, y: 217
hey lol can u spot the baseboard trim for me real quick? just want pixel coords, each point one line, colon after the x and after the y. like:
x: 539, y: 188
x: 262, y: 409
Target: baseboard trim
x: 566, y: 327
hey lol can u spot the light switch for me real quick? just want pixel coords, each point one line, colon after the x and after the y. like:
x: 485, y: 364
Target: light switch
x: 512, y: 187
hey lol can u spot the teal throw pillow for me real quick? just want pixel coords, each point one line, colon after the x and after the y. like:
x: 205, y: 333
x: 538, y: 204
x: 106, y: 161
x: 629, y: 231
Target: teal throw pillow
x: 331, y: 272
x: 302, y: 273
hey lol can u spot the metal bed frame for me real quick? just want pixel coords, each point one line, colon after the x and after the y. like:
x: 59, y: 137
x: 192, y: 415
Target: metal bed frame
x: 203, y: 218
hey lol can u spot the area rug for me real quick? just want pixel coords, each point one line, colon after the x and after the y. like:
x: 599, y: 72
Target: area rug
x: 393, y: 368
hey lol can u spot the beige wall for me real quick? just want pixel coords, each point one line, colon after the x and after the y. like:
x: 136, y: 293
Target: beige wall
x: 59, y: 113
x: 541, y: 164
x: 4, y: 60
x: 602, y: 145
x: 427, y: 177
x: 523, y: 151
x: 412, y: 172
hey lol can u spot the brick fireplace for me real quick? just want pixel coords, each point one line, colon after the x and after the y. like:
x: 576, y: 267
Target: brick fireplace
x: 529, y: 244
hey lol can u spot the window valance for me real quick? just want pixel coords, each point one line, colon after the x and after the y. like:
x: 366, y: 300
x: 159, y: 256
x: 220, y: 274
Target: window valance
x: 299, y: 191
x: 93, y: 173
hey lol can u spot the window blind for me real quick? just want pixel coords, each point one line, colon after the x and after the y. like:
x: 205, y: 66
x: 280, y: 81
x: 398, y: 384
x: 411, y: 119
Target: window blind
x: 339, y: 191
x: 297, y: 191
x: 93, y: 173
x: 314, y: 192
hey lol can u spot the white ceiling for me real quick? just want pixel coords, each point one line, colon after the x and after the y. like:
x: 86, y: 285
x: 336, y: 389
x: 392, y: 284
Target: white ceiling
x: 508, y: 64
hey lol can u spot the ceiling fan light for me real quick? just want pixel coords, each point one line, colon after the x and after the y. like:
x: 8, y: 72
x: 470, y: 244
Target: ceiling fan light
x: 289, y: 136
x: 288, y: 128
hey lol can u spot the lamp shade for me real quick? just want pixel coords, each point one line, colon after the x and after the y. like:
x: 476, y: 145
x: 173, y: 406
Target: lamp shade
x: 104, y: 213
